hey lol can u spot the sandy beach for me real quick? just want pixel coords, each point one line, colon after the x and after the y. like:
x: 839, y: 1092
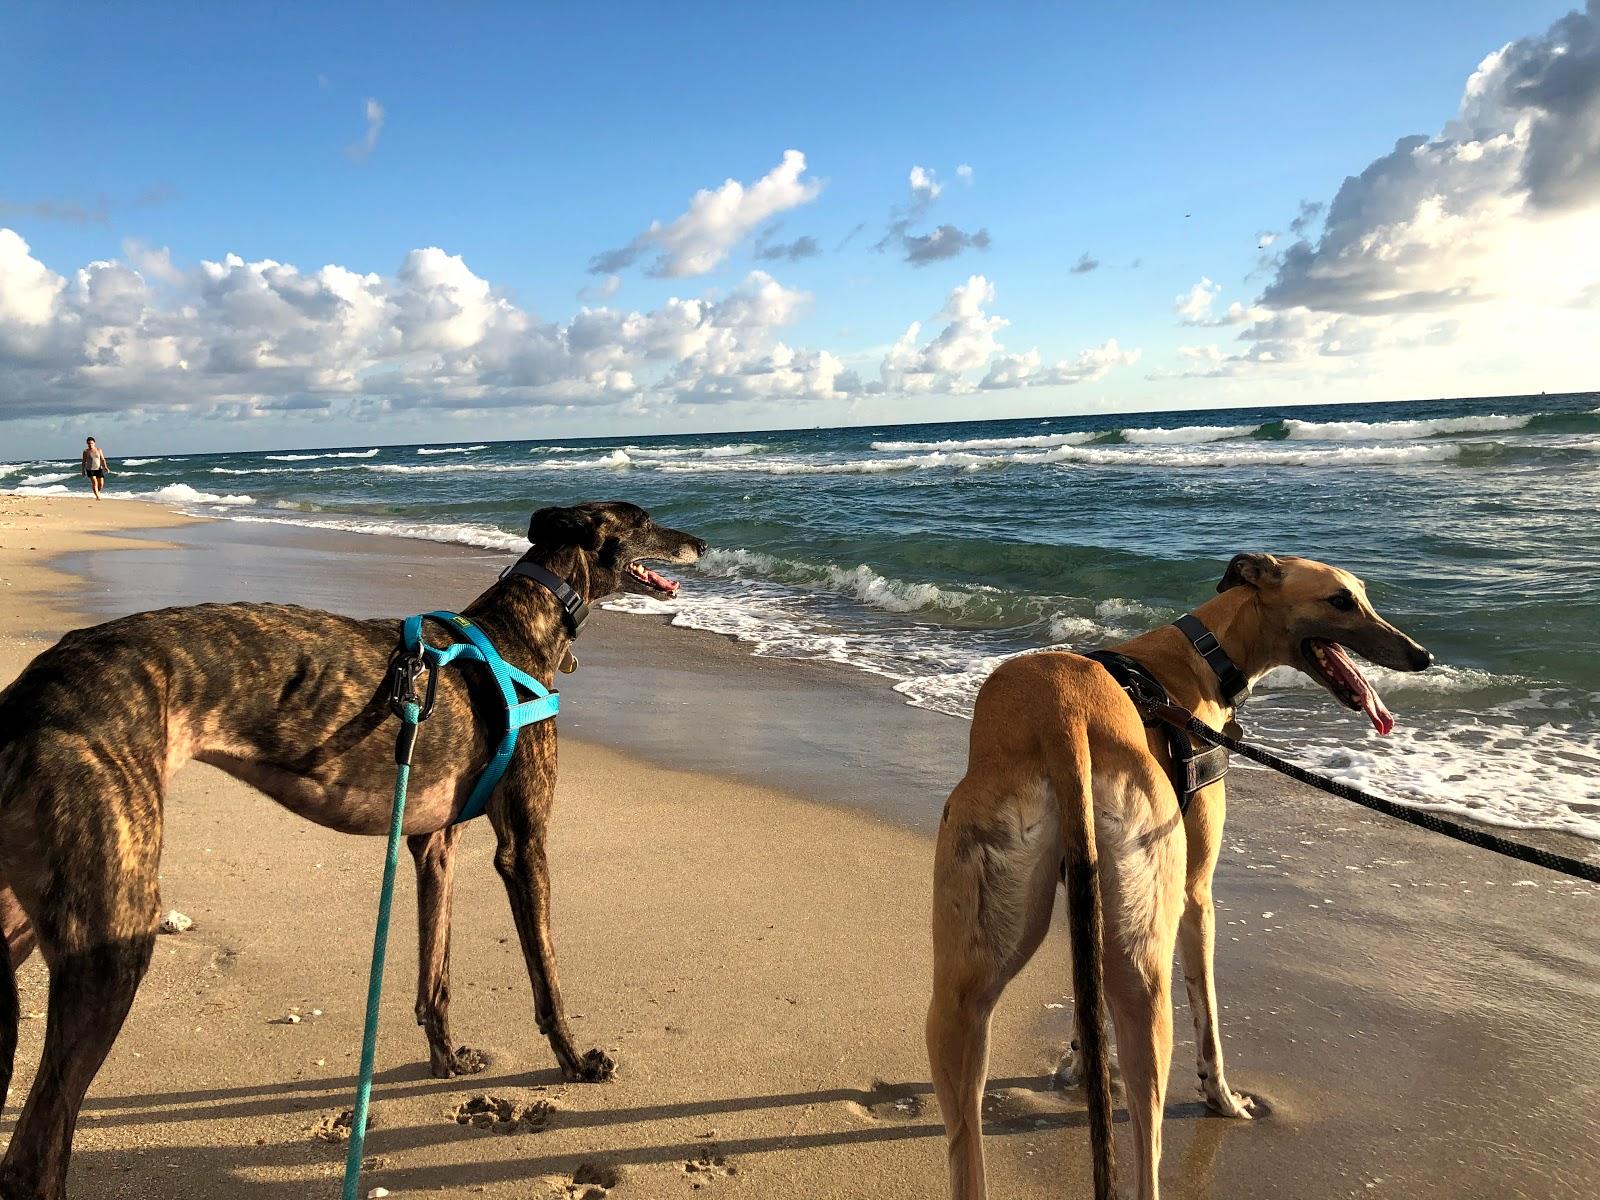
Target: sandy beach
x: 741, y: 866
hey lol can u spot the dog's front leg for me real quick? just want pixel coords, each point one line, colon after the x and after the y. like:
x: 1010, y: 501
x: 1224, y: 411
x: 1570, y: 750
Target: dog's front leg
x: 520, y: 814
x: 1197, y: 936
x: 435, y: 858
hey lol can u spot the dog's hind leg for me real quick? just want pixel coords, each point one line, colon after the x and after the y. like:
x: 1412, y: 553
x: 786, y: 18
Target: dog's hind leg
x: 994, y: 887
x: 520, y: 813
x: 91, y: 991
x: 1141, y: 872
x: 17, y: 932
x: 435, y: 857
x: 1197, y: 936
x: 92, y: 894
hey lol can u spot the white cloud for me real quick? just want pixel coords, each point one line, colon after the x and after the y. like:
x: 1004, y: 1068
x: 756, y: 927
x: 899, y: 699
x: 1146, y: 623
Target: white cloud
x: 1483, y: 240
x: 360, y: 151
x: 716, y: 221
x: 249, y: 337
x: 28, y: 288
x: 970, y: 340
x: 924, y: 188
x: 1028, y: 370
x: 243, y: 338
x: 964, y: 173
x: 1194, y: 307
x: 150, y: 261
x: 604, y: 290
x: 1462, y: 217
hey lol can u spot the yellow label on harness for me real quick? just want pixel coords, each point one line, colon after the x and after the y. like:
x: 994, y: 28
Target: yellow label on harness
x: 462, y: 621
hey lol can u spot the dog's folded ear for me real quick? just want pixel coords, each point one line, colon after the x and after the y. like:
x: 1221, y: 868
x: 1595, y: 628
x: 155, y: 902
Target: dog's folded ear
x: 1251, y: 570
x: 565, y: 527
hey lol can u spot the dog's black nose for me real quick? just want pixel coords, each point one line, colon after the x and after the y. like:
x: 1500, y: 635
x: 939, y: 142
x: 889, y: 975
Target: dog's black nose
x: 700, y: 547
x: 1420, y: 657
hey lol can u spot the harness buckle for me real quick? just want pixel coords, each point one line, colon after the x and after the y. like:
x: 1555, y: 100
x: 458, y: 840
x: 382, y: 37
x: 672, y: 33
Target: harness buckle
x: 1206, y: 642
x: 405, y: 671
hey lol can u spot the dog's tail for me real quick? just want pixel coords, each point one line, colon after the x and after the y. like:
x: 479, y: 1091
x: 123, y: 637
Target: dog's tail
x: 1071, y: 780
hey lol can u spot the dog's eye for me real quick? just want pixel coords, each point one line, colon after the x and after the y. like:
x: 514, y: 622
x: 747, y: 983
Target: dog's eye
x: 1343, y: 601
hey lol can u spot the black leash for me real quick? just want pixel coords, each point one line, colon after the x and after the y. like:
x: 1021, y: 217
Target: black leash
x: 1182, y: 718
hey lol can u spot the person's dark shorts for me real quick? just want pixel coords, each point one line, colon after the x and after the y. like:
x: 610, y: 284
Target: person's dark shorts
x: 97, y: 474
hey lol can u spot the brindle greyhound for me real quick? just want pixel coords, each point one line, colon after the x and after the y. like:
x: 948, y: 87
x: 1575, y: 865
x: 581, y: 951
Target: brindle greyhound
x: 1062, y: 775
x: 291, y: 701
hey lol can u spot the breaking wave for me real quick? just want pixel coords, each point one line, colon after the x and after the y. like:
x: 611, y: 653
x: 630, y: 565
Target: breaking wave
x: 1011, y: 443
x: 1359, y: 431
x: 373, y: 453
x: 182, y: 493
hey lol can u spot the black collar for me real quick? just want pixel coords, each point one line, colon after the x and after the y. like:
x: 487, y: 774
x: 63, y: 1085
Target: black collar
x: 574, y: 610
x: 1231, y: 680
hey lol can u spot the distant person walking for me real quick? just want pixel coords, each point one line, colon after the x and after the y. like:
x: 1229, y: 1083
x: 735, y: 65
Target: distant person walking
x: 95, y: 466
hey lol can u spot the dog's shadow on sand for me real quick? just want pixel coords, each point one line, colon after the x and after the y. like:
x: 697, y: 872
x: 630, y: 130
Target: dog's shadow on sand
x: 279, y: 1168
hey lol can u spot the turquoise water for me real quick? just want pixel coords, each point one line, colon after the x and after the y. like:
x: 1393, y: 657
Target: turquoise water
x: 925, y: 554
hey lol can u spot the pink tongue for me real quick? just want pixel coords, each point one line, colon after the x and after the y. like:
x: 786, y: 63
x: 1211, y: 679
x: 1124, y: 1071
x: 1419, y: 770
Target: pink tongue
x: 660, y: 581
x: 1382, y: 719
x: 1371, y: 703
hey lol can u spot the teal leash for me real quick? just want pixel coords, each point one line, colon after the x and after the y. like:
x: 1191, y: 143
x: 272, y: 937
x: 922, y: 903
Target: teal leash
x: 412, y: 657
x: 410, y: 713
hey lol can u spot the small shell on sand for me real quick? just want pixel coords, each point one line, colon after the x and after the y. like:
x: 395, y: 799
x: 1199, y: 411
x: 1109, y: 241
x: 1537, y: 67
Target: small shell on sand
x: 176, y: 922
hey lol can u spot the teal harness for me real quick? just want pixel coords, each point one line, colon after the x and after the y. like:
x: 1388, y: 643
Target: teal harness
x: 412, y: 703
x: 477, y: 648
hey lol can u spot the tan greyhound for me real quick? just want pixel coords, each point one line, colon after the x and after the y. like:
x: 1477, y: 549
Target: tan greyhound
x: 1064, y: 782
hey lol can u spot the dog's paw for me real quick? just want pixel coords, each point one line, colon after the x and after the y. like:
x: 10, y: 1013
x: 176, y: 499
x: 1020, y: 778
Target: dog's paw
x: 467, y: 1061
x: 1069, y: 1071
x: 1225, y: 1102
x: 596, y: 1066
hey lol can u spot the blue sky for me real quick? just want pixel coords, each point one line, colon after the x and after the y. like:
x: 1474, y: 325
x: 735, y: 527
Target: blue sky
x: 1160, y: 141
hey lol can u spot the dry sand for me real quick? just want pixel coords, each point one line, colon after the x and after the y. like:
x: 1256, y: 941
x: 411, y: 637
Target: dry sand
x: 1423, y: 1020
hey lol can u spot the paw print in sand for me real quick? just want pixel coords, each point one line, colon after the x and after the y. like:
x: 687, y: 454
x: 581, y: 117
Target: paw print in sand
x: 708, y: 1165
x: 890, y: 1102
x: 500, y: 1115
x: 592, y: 1181
x: 336, y: 1127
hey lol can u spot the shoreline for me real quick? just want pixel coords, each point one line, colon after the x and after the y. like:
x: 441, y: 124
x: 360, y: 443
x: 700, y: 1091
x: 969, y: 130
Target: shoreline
x: 759, y: 953
x: 845, y: 720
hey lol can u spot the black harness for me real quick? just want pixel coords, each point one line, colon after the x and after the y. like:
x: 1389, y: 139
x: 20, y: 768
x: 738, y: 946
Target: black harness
x: 1191, y: 769
x: 574, y: 611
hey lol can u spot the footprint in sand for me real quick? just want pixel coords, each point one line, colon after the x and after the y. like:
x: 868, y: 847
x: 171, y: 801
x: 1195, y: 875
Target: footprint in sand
x: 591, y: 1181
x: 500, y: 1115
x: 890, y: 1102
x: 337, y: 1126
x: 707, y: 1166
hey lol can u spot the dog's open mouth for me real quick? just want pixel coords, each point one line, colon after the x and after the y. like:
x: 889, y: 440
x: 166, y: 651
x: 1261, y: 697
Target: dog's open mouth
x: 1331, y: 664
x: 653, y: 580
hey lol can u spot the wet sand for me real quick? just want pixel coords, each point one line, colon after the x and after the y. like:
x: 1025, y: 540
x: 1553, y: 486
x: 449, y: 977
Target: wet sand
x: 740, y: 859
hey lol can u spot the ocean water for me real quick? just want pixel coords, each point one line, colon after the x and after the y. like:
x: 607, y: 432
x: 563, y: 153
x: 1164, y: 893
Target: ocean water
x: 926, y: 554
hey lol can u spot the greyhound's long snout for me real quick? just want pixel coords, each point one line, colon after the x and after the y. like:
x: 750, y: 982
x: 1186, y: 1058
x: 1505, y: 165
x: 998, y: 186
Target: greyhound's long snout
x: 1407, y: 654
